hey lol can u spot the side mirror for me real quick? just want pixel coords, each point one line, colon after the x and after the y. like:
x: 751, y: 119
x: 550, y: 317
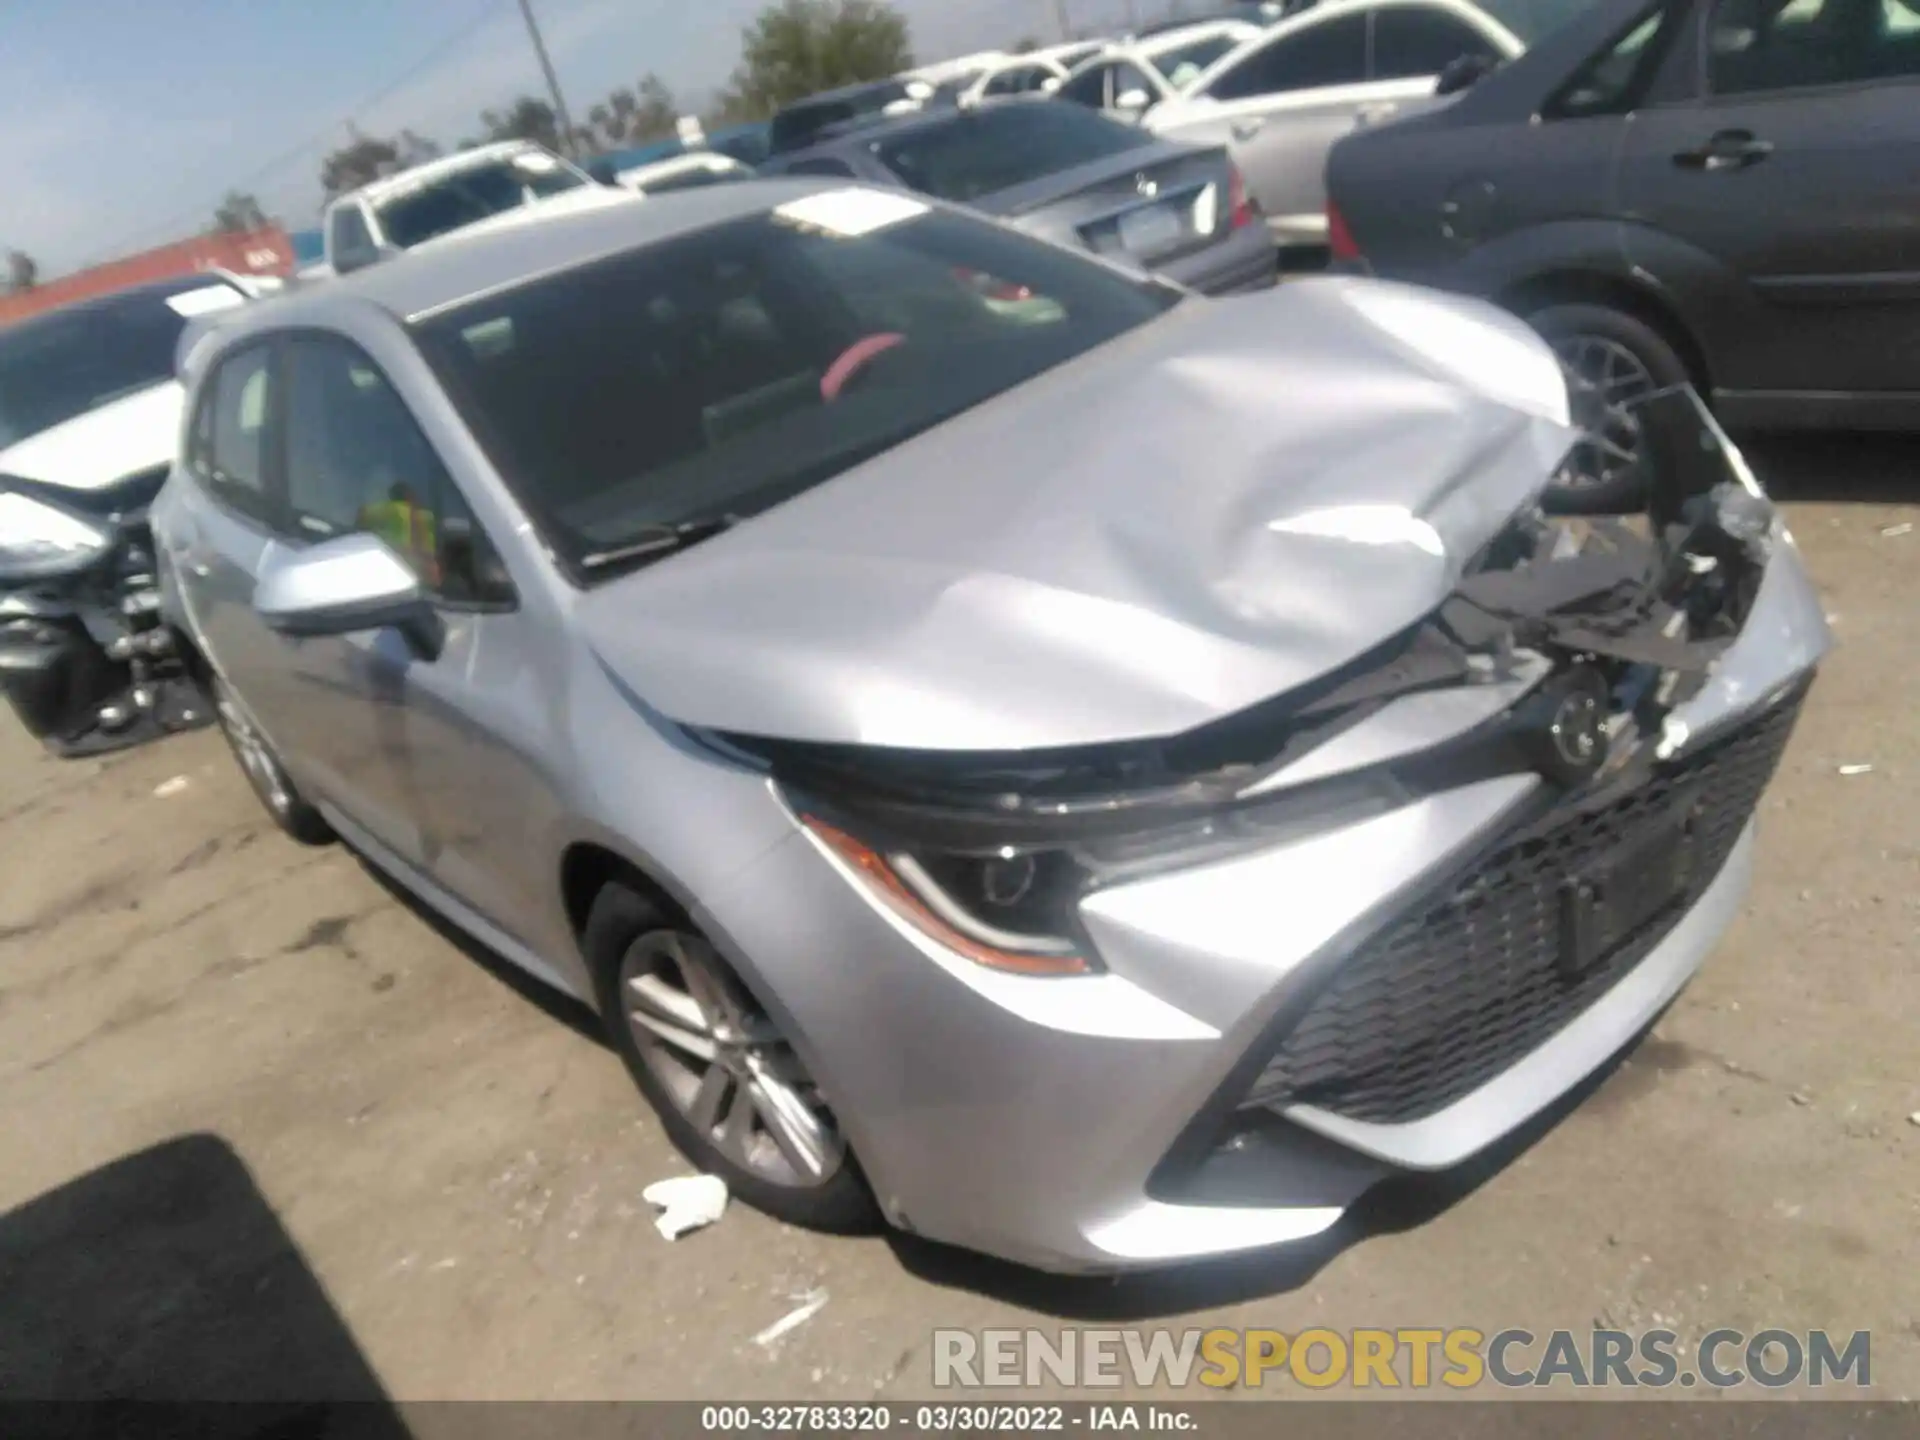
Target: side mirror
x: 1463, y: 72
x: 344, y: 585
x: 1133, y: 102
x: 1051, y: 84
x: 601, y: 169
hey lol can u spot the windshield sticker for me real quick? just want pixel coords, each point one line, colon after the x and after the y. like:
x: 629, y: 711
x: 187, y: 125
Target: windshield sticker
x: 851, y: 212
x: 205, y: 301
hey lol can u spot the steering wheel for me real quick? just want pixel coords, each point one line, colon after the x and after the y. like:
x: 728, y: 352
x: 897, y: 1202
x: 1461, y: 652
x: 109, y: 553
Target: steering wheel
x: 854, y: 359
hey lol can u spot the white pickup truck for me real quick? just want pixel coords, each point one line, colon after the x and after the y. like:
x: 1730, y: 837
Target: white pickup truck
x: 488, y: 187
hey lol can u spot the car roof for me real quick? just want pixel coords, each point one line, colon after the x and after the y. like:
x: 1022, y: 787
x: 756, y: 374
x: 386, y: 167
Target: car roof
x: 419, y: 282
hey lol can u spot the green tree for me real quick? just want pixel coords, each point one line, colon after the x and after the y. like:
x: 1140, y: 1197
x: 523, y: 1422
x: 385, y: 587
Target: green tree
x: 239, y: 214
x: 634, y: 114
x: 528, y: 118
x: 362, y: 160
x: 23, y: 271
x: 801, y: 47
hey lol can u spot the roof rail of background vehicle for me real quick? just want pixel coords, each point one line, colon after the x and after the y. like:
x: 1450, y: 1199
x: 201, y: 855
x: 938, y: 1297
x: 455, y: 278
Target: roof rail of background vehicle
x: 432, y: 278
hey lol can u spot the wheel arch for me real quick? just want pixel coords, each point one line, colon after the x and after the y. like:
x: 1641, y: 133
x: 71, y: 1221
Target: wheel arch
x: 588, y: 866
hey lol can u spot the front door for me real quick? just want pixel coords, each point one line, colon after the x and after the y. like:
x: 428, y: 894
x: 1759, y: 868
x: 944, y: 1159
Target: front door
x: 1799, y: 175
x: 443, y: 774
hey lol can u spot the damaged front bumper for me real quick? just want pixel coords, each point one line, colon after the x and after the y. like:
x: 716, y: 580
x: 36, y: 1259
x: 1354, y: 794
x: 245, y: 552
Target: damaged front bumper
x: 1471, y: 870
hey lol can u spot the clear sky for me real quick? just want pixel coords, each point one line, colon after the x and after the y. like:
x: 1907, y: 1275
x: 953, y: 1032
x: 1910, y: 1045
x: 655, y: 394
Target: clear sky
x: 123, y: 122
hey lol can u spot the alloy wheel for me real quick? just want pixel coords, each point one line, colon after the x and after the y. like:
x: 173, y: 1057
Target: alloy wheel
x: 724, y: 1063
x: 1604, y: 381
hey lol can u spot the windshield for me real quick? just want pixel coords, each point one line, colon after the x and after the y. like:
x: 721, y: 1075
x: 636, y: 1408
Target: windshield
x: 722, y: 372
x: 1182, y: 64
x: 464, y: 197
x: 70, y: 361
x: 998, y: 148
x: 797, y: 126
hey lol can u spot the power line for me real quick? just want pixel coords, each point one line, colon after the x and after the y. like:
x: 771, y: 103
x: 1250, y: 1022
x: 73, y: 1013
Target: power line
x: 479, y: 21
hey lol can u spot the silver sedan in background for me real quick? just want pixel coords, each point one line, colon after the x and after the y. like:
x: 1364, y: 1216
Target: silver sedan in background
x: 1101, y: 779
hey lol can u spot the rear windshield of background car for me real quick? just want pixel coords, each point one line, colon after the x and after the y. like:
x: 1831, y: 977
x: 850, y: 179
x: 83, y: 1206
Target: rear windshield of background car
x: 1531, y: 21
x: 469, y: 196
x: 798, y: 125
x: 729, y: 369
x: 995, y: 149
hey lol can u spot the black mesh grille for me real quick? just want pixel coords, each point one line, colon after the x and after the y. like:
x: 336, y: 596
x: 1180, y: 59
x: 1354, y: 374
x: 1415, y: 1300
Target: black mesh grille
x: 1447, y: 997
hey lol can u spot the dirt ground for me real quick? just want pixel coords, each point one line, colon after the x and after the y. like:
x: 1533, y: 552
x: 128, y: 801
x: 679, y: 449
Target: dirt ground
x: 459, y: 1163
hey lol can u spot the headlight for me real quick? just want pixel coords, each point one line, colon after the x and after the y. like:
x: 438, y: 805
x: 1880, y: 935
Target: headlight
x: 38, y: 539
x: 1009, y: 909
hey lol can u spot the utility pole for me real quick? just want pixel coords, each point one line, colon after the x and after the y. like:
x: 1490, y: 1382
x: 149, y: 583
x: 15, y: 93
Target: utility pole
x: 553, y: 80
x: 1060, y: 19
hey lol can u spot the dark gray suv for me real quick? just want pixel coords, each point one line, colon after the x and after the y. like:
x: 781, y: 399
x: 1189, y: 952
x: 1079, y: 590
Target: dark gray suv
x: 1714, y: 191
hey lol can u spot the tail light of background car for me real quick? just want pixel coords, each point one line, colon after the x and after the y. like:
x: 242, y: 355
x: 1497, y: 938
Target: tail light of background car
x: 1240, y: 207
x: 1340, y: 243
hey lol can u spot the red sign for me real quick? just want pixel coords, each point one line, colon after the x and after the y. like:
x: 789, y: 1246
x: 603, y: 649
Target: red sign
x: 259, y: 252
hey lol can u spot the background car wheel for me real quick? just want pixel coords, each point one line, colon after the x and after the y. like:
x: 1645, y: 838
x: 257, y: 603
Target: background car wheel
x: 732, y: 1094
x: 264, y: 771
x: 1611, y: 359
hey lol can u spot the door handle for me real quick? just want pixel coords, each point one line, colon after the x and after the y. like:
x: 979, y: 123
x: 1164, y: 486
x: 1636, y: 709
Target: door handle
x: 1247, y: 129
x: 1726, y: 150
x: 1377, y: 111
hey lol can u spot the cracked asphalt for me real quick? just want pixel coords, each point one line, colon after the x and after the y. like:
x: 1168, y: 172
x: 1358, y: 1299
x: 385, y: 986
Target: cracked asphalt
x: 419, y: 1173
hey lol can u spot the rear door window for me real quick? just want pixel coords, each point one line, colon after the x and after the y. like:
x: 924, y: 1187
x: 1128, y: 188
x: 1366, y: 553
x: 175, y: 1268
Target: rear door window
x: 1757, y: 46
x: 1333, y: 52
x: 1088, y: 87
x: 1410, y: 41
x: 998, y: 148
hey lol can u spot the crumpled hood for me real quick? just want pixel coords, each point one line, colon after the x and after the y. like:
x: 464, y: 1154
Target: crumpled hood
x: 94, y: 449
x: 1215, y: 509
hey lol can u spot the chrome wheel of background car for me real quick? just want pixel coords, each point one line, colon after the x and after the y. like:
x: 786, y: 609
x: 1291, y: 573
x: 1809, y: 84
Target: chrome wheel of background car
x: 723, y: 1062
x: 1604, y: 380
x: 250, y: 749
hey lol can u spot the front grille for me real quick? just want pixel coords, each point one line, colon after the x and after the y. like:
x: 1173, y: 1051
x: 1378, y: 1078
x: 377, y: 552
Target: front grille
x: 1454, y: 992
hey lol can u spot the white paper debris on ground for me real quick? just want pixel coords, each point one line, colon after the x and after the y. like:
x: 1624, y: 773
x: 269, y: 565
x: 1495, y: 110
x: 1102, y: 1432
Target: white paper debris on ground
x: 1856, y: 769
x: 1904, y: 528
x: 171, y: 787
x: 687, y: 1202
x: 811, y: 1304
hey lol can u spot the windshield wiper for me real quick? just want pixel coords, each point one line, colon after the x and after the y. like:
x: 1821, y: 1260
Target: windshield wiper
x: 656, y: 540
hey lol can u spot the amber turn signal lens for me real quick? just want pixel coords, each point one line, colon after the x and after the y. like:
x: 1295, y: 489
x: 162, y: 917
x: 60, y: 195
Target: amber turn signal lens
x: 886, y: 886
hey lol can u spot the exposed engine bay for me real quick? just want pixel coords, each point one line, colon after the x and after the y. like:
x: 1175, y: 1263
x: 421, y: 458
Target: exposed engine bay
x: 86, y: 660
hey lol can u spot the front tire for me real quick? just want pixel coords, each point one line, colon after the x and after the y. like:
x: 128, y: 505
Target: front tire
x: 731, y: 1093
x: 1611, y: 360
x: 264, y: 772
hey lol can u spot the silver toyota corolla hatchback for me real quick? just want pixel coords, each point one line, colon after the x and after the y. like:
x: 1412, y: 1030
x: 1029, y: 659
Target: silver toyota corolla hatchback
x: 1067, y: 767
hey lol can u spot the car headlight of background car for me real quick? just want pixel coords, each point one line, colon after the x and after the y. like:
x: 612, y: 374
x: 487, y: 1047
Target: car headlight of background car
x: 38, y: 538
